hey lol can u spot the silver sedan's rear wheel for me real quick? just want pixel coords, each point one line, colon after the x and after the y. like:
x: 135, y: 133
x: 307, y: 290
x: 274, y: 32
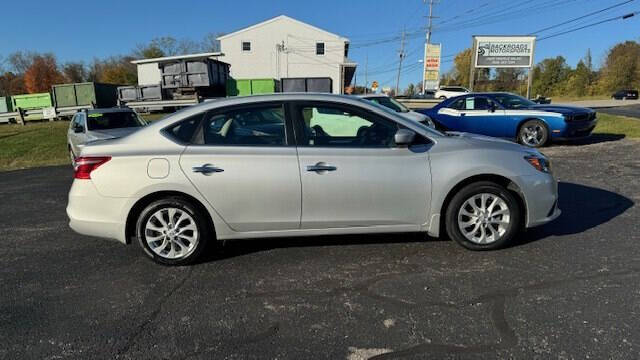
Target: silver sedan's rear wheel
x: 483, y: 216
x: 172, y: 231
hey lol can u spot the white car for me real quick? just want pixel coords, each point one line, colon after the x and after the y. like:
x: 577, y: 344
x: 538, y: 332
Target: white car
x: 445, y: 92
x: 300, y: 165
x: 398, y: 107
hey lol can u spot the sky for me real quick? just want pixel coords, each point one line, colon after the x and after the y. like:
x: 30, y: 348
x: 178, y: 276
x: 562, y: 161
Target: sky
x: 82, y: 30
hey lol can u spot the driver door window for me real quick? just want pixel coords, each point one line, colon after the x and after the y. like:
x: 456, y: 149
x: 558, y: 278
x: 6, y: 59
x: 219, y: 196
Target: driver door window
x: 477, y: 103
x: 329, y: 126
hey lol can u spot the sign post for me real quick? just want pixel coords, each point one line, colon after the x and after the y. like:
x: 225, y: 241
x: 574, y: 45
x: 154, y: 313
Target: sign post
x: 503, y: 52
x: 432, y: 66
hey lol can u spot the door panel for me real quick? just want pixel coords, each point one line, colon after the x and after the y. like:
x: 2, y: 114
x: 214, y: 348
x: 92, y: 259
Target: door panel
x: 352, y: 173
x: 245, y: 167
x: 368, y: 187
x: 257, y: 189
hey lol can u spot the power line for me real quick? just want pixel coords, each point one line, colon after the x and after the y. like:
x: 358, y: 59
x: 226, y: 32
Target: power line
x: 619, y: 17
x: 580, y: 17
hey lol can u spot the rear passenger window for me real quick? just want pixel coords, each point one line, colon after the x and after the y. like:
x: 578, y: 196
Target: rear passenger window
x: 184, y: 130
x: 259, y: 126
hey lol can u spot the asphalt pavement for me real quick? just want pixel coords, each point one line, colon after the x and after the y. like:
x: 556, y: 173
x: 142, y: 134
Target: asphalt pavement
x: 628, y: 110
x: 569, y: 289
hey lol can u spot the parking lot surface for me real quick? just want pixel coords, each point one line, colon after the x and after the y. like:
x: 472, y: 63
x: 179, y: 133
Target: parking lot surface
x: 628, y: 110
x: 566, y: 290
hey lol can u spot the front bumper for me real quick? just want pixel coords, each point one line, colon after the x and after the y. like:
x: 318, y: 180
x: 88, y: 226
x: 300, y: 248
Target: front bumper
x: 540, y: 193
x: 575, y: 131
x: 95, y: 215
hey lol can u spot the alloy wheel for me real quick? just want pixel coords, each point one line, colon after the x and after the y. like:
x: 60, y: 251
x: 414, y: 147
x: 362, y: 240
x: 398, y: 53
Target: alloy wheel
x: 532, y: 135
x: 171, y: 233
x: 484, y: 218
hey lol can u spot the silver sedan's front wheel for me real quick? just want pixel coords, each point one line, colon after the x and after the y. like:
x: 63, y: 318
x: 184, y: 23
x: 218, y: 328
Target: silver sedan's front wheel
x: 483, y: 216
x: 172, y: 231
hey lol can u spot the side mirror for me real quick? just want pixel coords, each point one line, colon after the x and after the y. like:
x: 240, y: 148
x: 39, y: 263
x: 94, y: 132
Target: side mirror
x: 404, y: 137
x: 78, y: 129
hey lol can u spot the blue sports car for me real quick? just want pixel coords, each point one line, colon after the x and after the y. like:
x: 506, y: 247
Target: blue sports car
x: 511, y: 116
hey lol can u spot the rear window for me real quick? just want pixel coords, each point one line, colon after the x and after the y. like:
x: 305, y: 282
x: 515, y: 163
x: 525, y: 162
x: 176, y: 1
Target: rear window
x: 184, y: 130
x: 113, y: 120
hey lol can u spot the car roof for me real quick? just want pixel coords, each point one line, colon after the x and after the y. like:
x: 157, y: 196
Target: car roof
x: 265, y: 98
x: 108, y: 110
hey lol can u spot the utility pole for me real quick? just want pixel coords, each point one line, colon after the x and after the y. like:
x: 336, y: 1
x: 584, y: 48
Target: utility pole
x: 400, y: 64
x: 366, y: 67
x: 428, y: 41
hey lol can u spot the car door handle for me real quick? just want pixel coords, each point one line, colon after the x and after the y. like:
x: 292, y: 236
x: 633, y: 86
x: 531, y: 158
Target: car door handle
x: 206, y: 169
x: 320, y: 167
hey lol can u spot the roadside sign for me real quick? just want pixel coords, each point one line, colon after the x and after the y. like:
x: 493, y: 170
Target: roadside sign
x: 374, y: 86
x: 432, y: 66
x: 503, y: 51
x: 49, y: 113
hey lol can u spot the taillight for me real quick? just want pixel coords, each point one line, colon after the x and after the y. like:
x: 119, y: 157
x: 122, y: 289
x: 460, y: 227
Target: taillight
x: 86, y: 164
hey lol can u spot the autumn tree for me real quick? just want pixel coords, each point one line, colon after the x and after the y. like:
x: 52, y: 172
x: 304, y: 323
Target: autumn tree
x: 410, y: 90
x: 116, y: 70
x: 20, y: 61
x: 621, y: 68
x: 42, y: 74
x: 74, y: 72
x: 11, y: 84
x: 550, y: 76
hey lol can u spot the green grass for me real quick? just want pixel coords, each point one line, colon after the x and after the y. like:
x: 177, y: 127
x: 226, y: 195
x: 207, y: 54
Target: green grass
x: 558, y: 99
x: 38, y: 144
x: 45, y: 143
x: 34, y: 144
x: 617, y: 125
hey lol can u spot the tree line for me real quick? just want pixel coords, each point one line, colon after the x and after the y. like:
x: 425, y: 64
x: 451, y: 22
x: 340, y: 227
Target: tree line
x: 620, y: 69
x: 27, y: 72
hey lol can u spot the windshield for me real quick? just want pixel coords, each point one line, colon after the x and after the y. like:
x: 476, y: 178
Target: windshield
x: 113, y: 120
x: 390, y: 111
x: 509, y: 101
x: 391, y: 103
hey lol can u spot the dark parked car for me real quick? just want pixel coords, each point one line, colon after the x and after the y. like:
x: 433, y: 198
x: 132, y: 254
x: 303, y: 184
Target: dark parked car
x: 513, y: 117
x: 625, y: 95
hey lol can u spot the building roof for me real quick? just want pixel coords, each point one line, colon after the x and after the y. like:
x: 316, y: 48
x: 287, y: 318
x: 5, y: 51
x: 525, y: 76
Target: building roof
x: 211, y: 55
x: 278, y: 18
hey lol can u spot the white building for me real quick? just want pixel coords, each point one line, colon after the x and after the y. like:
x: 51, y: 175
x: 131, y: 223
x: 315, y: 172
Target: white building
x: 283, y: 47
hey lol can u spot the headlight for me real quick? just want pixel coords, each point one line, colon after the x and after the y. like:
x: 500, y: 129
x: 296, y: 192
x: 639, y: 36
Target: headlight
x: 541, y: 163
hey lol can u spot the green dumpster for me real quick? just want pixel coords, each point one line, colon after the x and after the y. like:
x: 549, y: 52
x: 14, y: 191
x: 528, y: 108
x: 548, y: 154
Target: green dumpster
x: 31, y: 101
x: 83, y: 94
x: 5, y: 104
x: 244, y: 87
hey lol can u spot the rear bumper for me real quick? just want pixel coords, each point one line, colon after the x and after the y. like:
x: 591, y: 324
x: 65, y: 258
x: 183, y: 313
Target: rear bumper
x: 95, y: 215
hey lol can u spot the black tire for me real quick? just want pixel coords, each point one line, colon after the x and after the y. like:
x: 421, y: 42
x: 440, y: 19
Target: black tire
x: 542, y: 130
x: 451, y: 216
x: 204, y: 233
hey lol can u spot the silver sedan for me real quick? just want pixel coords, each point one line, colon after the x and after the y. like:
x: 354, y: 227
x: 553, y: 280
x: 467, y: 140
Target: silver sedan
x: 100, y: 124
x: 303, y: 164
